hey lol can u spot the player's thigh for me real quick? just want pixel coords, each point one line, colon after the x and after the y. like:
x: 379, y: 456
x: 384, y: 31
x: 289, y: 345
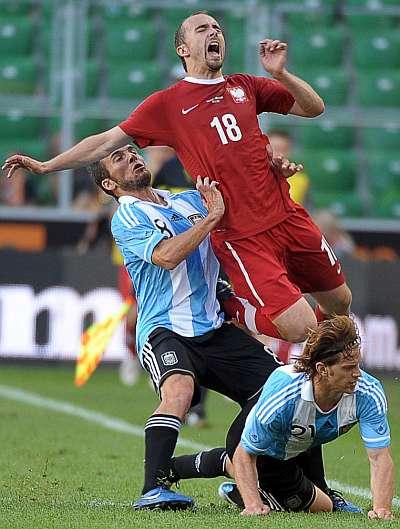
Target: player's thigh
x: 166, y: 354
x: 237, y: 364
x: 295, y: 322
x: 257, y: 270
x: 311, y: 262
x: 287, y: 484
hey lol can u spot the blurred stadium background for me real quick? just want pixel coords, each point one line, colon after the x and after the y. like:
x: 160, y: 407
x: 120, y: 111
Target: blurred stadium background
x: 69, y: 69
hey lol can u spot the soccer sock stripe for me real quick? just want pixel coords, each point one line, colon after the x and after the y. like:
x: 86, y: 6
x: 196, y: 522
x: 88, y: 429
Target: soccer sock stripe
x: 161, y: 433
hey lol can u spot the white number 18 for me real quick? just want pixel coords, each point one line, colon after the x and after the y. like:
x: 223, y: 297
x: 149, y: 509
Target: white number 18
x: 231, y: 128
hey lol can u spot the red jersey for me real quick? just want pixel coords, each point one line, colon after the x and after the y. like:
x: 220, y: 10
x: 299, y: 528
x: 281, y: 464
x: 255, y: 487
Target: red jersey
x: 212, y: 125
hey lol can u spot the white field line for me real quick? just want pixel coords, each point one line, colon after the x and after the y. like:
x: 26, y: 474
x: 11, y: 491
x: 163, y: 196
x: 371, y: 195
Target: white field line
x: 119, y: 425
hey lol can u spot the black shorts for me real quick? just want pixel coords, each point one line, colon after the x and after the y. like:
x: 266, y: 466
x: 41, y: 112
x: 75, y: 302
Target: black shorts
x: 285, y: 485
x: 226, y: 360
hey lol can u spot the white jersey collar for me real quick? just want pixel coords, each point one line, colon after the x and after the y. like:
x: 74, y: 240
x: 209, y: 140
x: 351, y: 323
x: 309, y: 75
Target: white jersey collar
x: 204, y: 81
x: 307, y: 392
x: 129, y: 199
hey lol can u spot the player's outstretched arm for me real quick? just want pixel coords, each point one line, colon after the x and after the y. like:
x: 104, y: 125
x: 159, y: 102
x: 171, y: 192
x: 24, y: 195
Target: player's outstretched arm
x: 89, y: 150
x: 273, y: 55
x: 382, y: 483
x: 170, y: 252
x: 246, y: 477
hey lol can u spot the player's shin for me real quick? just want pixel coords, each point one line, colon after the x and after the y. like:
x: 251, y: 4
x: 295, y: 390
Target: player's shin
x: 210, y: 464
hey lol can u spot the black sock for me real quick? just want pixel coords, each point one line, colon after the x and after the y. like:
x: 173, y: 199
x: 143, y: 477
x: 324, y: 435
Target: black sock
x: 209, y: 464
x: 161, y: 434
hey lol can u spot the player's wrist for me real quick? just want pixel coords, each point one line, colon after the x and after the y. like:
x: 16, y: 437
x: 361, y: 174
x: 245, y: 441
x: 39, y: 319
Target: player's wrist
x: 280, y: 75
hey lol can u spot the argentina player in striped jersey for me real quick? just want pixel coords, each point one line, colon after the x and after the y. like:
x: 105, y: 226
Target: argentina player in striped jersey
x: 322, y: 396
x: 182, y: 339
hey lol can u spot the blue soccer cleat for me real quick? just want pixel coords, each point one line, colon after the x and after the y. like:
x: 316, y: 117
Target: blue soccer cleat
x: 340, y: 504
x: 230, y: 492
x: 164, y: 499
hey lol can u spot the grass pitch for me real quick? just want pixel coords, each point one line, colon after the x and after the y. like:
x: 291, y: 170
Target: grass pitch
x: 64, y: 467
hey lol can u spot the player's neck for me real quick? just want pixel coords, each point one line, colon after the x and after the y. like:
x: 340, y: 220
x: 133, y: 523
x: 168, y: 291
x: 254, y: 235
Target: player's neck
x: 148, y: 194
x: 325, y: 398
x: 203, y: 73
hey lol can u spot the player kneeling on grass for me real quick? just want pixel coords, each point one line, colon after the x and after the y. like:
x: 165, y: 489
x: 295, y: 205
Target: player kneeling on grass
x: 322, y: 396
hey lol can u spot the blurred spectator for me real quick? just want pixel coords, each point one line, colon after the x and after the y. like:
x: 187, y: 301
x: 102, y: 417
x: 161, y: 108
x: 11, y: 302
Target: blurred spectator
x: 339, y: 240
x: 282, y: 144
x: 13, y: 190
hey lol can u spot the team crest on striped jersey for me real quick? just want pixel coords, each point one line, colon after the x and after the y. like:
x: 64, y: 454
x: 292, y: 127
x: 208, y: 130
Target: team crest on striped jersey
x: 169, y: 358
x: 196, y: 217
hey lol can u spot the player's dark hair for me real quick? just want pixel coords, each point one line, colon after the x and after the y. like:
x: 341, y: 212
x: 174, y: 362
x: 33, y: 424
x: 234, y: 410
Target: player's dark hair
x: 99, y: 172
x: 332, y: 341
x: 180, y: 35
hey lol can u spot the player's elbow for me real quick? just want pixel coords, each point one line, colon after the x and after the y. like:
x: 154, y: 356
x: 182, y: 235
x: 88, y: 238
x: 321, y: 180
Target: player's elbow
x: 164, y: 260
x: 317, y: 109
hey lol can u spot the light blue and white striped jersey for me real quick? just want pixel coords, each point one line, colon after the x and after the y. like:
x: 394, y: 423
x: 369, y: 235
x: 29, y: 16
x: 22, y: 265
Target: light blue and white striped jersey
x: 286, y: 420
x: 183, y: 299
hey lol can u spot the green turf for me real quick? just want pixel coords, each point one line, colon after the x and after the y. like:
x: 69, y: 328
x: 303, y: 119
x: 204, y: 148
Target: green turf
x: 59, y: 471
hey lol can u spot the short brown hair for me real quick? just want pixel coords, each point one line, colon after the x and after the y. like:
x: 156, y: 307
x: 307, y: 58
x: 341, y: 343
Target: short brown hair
x: 99, y: 172
x: 180, y: 34
x: 332, y: 340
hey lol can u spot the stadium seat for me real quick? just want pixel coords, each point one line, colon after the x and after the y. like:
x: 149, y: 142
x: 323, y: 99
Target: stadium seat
x: 133, y: 10
x: 325, y: 135
x: 341, y: 204
x: 376, y: 89
x: 89, y: 126
x: 35, y: 148
x: 125, y: 38
x: 314, y: 20
x: 317, y: 48
x: 377, y: 50
x: 366, y: 22
x: 330, y: 83
x: 387, y: 205
x: 11, y: 7
x: 15, y: 124
x: 92, y: 80
x: 330, y: 170
x: 17, y: 75
x: 383, y: 170
x: 16, y: 36
x: 387, y: 137
x: 134, y: 80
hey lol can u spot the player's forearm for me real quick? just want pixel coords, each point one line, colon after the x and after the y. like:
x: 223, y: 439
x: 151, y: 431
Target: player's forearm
x: 306, y: 97
x: 382, y: 478
x: 246, y: 477
x: 170, y: 252
x: 90, y: 149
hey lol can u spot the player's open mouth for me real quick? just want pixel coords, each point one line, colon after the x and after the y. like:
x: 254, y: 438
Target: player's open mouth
x: 213, y: 49
x: 137, y: 166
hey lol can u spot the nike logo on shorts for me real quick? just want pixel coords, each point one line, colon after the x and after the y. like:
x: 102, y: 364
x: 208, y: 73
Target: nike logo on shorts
x: 187, y: 110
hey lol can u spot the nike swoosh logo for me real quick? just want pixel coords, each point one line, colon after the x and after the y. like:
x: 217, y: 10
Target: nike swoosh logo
x: 187, y: 110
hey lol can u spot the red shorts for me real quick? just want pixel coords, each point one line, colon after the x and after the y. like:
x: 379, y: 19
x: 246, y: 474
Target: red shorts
x: 273, y: 268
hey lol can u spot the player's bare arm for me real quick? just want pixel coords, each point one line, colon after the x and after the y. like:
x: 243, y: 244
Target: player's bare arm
x: 246, y: 477
x: 90, y: 149
x: 273, y: 55
x: 382, y: 483
x: 170, y: 252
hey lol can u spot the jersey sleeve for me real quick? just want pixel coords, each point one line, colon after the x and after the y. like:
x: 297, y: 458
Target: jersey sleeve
x: 372, y: 416
x: 272, y: 96
x: 265, y: 428
x: 135, y: 237
x: 148, y: 124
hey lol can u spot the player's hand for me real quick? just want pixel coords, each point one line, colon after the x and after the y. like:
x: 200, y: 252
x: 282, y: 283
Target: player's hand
x: 380, y: 514
x: 285, y: 167
x: 258, y: 509
x: 273, y: 56
x: 211, y: 196
x: 19, y: 161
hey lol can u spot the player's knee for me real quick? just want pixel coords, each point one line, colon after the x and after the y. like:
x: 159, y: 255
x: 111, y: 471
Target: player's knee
x: 177, y: 392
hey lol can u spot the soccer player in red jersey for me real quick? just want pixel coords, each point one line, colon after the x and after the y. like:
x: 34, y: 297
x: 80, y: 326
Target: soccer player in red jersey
x: 268, y: 245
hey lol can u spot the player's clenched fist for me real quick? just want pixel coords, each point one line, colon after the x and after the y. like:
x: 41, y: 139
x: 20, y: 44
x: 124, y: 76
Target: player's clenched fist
x: 273, y: 55
x: 380, y: 514
x: 19, y: 161
x: 211, y: 196
x: 256, y: 510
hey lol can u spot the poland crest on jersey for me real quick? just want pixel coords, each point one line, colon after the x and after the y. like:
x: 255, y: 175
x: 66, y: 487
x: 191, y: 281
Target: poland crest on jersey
x: 238, y: 94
